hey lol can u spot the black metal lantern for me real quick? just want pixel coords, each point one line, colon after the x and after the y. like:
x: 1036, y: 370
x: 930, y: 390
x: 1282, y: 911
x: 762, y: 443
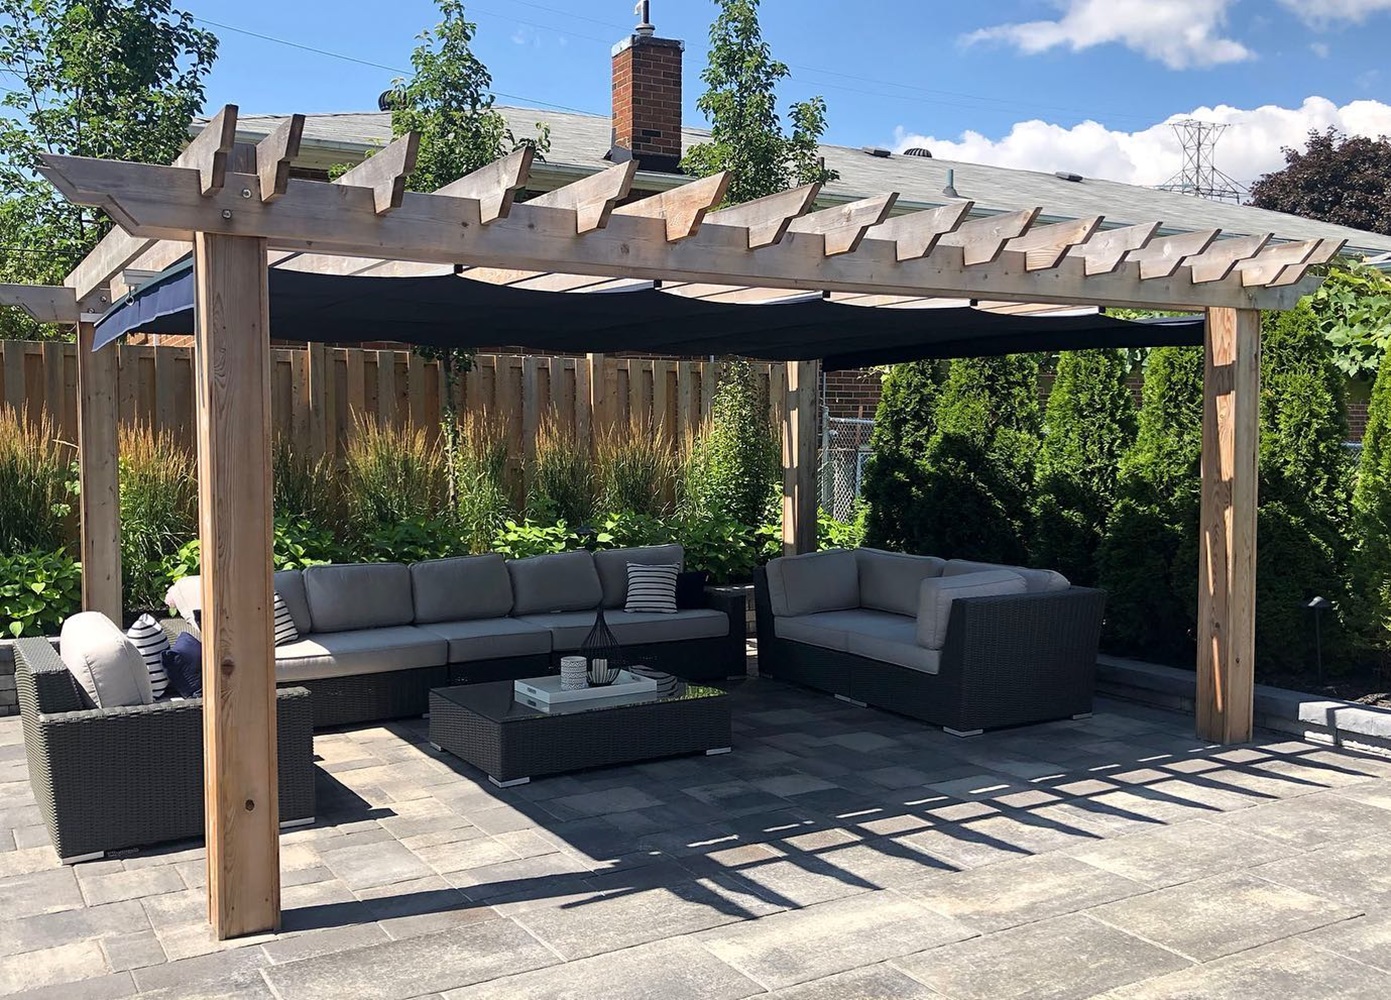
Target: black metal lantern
x: 603, y: 652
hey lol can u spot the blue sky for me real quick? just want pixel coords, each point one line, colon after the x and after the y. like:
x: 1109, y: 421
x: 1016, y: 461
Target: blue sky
x: 1081, y: 84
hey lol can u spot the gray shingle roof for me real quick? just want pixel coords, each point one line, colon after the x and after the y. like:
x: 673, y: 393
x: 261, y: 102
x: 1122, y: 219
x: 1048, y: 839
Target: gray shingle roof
x: 581, y: 141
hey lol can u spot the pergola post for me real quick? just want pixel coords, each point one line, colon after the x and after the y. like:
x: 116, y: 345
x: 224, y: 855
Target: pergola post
x: 98, y: 425
x: 799, y: 495
x: 232, y: 363
x: 1227, y: 529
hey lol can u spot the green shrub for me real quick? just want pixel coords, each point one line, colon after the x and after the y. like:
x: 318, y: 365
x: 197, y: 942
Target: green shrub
x: 969, y: 505
x: 637, y: 471
x: 1163, y: 464
x: 721, y: 546
x: 298, y: 544
x: 415, y: 540
x: 484, y: 490
x: 1371, y: 511
x: 627, y: 529
x: 904, y: 425
x: 1088, y: 426
x: 519, y: 541
x: 306, y: 487
x: 1294, y: 562
x: 734, y: 466
x: 1142, y: 565
x: 38, y: 591
x: 36, y: 473
x: 390, y: 475
x: 834, y: 534
x: 159, y: 511
x: 563, y: 485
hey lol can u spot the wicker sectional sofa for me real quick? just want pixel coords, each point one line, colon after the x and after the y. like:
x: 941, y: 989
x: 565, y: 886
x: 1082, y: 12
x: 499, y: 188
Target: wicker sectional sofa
x: 967, y: 646
x: 377, y: 637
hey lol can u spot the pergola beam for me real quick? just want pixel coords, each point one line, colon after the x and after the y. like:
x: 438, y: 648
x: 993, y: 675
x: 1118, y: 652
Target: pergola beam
x: 274, y: 155
x: 384, y: 174
x: 99, y: 479
x: 592, y: 200
x: 765, y: 221
x: 845, y: 225
x: 684, y: 208
x: 495, y: 186
x: 43, y: 303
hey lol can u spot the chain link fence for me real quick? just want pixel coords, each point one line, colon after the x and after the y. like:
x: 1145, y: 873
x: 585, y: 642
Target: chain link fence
x: 844, y: 451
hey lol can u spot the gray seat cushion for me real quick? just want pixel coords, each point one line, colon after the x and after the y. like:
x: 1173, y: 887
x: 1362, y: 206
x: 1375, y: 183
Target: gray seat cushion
x: 565, y: 581
x: 364, y: 651
x: 490, y: 638
x: 1036, y: 581
x: 461, y: 589
x: 889, y: 580
x: 815, y: 582
x: 612, y: 566
x: 935, y: 599
x: 876, y: 635
x: 105, y: 662
x: 345, y: 598
x: 569, y: 629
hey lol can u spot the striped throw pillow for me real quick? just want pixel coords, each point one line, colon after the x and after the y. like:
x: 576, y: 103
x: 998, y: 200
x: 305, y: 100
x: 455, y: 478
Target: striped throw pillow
x: 286, y: 631
x: 652, y: 589
x: 151, y: 642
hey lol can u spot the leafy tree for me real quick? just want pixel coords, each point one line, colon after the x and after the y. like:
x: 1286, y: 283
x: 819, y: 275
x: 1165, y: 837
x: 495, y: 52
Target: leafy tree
x: 110, y: 78
x: 734, y: 468
x: 1345, y: 180
x: 746, y: 133
x: 1353, y: 310
x: 1088, y: 426
x: 448, y: 101
x: 904, y: 425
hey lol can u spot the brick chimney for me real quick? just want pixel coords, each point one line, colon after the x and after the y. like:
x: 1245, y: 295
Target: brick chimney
x: 647, y: 99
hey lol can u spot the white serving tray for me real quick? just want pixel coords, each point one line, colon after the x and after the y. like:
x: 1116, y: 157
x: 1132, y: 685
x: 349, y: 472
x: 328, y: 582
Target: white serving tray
x: 544, y: 691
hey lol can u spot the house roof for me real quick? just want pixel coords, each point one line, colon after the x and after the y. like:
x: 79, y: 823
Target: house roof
x: 580, y: 142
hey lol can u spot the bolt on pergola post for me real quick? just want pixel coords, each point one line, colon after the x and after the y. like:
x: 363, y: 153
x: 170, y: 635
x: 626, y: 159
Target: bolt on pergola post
x: 751, y: 252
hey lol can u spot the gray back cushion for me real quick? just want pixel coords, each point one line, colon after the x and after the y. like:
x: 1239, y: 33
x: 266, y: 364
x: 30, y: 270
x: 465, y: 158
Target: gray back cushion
x: 817, y: 581
x: 104, y: 661
x: 1036, y: 581
x: 461, y: 589
x: 363, y: 595
x: 889, y: 580
x: 935, y: 598
x: 565, y: 581
x: 289, y: 584
x: 612, y: 566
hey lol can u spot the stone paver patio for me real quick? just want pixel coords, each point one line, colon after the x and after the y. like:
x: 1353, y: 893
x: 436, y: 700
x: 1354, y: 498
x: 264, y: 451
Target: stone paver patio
x: 839, y: 852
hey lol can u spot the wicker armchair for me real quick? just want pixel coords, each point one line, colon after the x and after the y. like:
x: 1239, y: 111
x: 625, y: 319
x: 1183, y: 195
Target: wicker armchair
x: 1008, y: 661
x: 114, y: 778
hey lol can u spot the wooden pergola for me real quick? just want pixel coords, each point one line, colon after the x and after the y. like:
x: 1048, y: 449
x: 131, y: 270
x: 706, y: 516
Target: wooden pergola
x: 240, y: 213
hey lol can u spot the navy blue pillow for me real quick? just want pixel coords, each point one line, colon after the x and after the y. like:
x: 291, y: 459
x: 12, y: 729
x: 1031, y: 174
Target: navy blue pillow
x: 690, y: 589
x: 183, y: 662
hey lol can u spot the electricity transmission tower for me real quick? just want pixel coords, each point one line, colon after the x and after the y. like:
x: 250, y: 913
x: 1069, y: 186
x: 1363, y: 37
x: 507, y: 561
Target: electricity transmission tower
x: 1200, y: 175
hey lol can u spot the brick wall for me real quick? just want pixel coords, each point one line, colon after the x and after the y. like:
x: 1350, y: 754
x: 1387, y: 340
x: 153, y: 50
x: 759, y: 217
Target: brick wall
x: 647, y: 99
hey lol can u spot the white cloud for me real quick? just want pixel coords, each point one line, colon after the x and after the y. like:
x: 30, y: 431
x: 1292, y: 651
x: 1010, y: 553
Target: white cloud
x: 1250, y: 148
x: 1325, y: 13
x: 1179, y: 33
x: 1320, y: 49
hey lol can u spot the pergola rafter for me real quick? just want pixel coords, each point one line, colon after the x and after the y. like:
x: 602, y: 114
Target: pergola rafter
x: 248, y: 216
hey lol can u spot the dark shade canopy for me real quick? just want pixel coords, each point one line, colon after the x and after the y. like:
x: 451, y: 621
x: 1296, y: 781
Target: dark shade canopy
x: 452, y: 311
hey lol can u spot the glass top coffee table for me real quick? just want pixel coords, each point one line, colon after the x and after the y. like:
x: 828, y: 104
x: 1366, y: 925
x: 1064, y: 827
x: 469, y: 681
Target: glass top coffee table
x: 512, y: 743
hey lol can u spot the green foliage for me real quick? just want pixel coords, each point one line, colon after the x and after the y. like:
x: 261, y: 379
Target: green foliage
x: 734, y: 466
x: 1296, y: 559
x: 305, y: 487
x: 1353, y: 310
x: 1148, y: 580
x: 1164, y: 462
x: 834, y: 534
x: 562, y: 477
x: 119, y: 79
x: 391, y: 475
x: 740, y: 102
x: 1371, y: 515
x: 721, y: 546
x: 1345, y: 180
x: 520, y: 541
x: 904, y: 426
x: 35, y: 476
x: 637, y: 471
x: 159, y: 511
x: 1088, y: 426
x: 38, y: 590
x: 300, y: 543
x: 481, y: 485
x: 414, y: 540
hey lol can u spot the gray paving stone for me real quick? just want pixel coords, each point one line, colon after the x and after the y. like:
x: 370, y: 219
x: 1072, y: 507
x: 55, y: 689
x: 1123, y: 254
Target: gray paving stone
x: 624, y: 919
x: 1221, y: 915
x: 877, y: 982
x: 1356, y: 873
x: 138, y: 884
x: 26, y: 861
x: 375, y: 864
x: 728, y: 799
x: 1310, y: 821
x: 1364, y: 939
x: 45, y: 930
x: 673, y: 970
x: 1019, y: 892
x: 1288, y: 970
x: 39, y: 892
x: 401, y: 969
x: 231, y: 967
x: 427, y: 906
x: 323, y: 941
x: 800, y: 945
x: 465, y: 854
x: 64, y: 963
x: 510, y: 879
x: 610, y: 800
x: 112, y: 987
x: 132, y: 951
x: 1065, y: 958
x: 1175, y: 854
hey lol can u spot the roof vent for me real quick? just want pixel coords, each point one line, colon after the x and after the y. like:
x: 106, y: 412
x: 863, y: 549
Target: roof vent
x: 950, y: 189
x: 1063, y: 175
x: 878, y: 151
x: 918, y: 151
x: 387, y: 100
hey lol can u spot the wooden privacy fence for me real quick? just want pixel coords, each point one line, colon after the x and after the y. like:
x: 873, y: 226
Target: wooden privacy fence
x: 317, y: 390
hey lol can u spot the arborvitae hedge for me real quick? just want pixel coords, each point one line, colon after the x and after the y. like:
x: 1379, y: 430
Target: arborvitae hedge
x: 904, y: 424
x: 1371, y: 505
x: 1088, y: 426
x: 735, y: 466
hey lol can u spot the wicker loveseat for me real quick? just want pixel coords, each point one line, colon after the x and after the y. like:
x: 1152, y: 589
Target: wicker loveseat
x: 114, y: 778
x: 377, y: 637
x: 966, y: 646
